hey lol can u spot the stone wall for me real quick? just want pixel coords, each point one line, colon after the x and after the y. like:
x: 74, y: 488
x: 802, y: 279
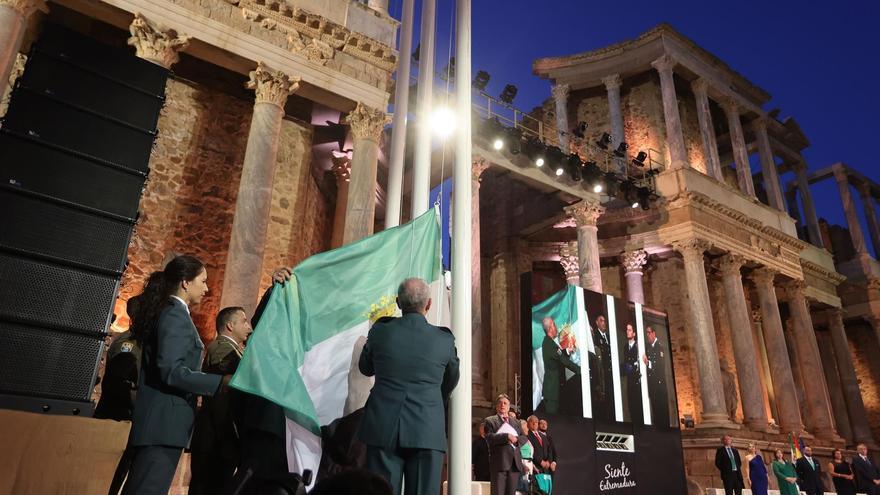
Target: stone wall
x: 643, y: 122
x: 864, y: 350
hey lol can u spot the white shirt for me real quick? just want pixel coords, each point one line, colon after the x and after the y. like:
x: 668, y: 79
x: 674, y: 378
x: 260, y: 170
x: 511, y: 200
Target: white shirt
x: 182, y: 302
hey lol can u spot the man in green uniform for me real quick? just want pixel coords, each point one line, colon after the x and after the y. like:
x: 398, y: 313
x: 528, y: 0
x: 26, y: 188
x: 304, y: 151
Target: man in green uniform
x: 555, y: 361
x: 416, y: 368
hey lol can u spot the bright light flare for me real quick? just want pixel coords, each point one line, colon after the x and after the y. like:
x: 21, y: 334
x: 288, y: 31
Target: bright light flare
x: 443, y: 122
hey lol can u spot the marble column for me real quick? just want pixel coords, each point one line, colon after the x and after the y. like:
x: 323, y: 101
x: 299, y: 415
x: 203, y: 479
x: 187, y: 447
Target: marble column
x: 793, y: 209
x: 615, y: 115
x: 366, y: 128
x: 707, y: 129
x: 633, y: 264
x: 479, y: 375
x: 870, y: 216
x: 702, y: 335
x: 503, y: 309
x: 155, y: 43
x: 13, y: 22
x: 795, y: 360
x: 244, y: 261
x: 766, y: 377
x: 342, y: 171
x: 840, y: 414
x: 747, y: 370
x: 768, y: 164
x: 740, y: 152
x: 674, y: 137
x: 777, y: 353
x: 849, y: 382
x: 849, y: 208
x: 800, y: 170
x: 815, y: 387
x: 568, y: 258
x: 586, y: 214
x: 560, y: 96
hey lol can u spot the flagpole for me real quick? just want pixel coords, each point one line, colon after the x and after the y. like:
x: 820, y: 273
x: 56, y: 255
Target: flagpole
x: 398, y: 126
x: 421, y: 187
x: 460, y: 406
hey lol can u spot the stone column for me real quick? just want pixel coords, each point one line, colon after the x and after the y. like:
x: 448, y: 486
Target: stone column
x: 766, y: 377
x: 13, y: 22
x: 633, y: 262
x: 840, y: 414
x: 870, y: 216
x: 479, y: 376
x: 800, y: 170
x: 768, y: 165
x: 586, y: 214
x: 777, y: 353
x: 615, y: 115
x: 795, y: 360
x: 849, y: 382
x: 568, y: 258
x: 707, y: 129
x: 366, y: 128
x: 674, y: 137
x: 793, y: 210
x: 342, y: 171
x: 560, y: 96
x: 740, y: 153
x: 702, y: 335
x: 244, y: 262
x: 155, y: 43
x: 747, y: 370
x: 810, y: 363
x: 502, y: 282
x: 849, y: 208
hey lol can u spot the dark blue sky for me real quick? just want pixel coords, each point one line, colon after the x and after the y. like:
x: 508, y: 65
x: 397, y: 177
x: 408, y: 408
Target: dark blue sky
x: 818, y: 60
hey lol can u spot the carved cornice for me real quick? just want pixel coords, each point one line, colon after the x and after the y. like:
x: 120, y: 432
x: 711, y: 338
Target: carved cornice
x: 730, y: 264
x: 560, y: 92
x: 25, y: 7
x: 155, y: 43
x: 316, y: 37
x: 634, y: 261
x: 366, y: 122
x: 821, y: 272
x: 271, y: 86
x: 585, y: 213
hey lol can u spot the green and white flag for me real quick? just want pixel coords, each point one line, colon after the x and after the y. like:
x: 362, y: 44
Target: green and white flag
x: 304, y: 352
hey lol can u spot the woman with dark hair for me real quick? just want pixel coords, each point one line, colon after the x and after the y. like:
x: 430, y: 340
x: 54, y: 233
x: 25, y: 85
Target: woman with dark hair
x: 841, y: 474
x: 170, y: 380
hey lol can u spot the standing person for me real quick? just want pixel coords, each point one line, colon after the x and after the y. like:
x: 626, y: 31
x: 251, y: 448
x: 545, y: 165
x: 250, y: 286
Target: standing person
x: 169, y: 382
x: 215, y: 442
x: 655, y: 360
x: 480, y: 456
x: 600, y: 372
x: 541, y: 456
x: 757, y: 471
x: 416, y: 368
x: 556, y: 360
x: 867, y: 474
x: 729, y: 464
x: 632, y: 375
x: 809, y: 471
x: 550, y: 447
x: 786, y: 476
x: 505, y: 438
x: 841, y: 474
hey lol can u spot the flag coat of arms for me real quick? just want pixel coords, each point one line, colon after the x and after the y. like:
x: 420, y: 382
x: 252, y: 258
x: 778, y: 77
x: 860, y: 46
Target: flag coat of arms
x: 303, y: 354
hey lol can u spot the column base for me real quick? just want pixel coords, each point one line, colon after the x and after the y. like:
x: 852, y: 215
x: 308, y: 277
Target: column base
x: 717, y: 421
x: 833, y: 438
x: 761, y: 426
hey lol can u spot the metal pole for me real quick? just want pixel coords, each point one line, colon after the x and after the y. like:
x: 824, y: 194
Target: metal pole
x: 460, y: 406
x: 422, y: 168
x: 398, y: 126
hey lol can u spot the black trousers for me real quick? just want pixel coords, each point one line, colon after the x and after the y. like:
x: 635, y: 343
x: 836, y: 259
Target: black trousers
x: 211, y: 472
x: 733, y: 484
x: 504, y: 482
x: 152, y: 470
x: 417, y: 469
x: 122, y: 469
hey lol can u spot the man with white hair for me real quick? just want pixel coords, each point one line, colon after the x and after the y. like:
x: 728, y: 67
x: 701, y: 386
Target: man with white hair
x: 415, y: 365
x: 556, y: 360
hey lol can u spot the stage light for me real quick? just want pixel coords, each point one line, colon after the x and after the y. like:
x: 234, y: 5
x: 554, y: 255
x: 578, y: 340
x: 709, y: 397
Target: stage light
x: 597, y: 187
x: 481, y: 80
x: 611, y: 183
x: 514, y: 140
x: 644, y: 195
x: 580, y: 129
x: 559, y: 170
x: 508, y: 94
x: 498, y: 143
x: 574, y: 166
x: 443, y: 122
x: 539, y: 162
x: 604, y: 141
x: 535, y: 150
x: 639, y: 160
x: 629, y: 193
x: 621, y: 149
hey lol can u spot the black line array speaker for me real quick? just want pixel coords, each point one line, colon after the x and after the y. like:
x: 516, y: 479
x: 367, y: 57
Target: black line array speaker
x: 75, y: 147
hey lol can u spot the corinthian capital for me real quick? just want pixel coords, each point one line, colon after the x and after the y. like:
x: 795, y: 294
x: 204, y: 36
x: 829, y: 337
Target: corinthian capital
x: 367, y: 122
x: 155, y: 43
x: 25, y: 7
x: 664, y: 64
x: 612, y: 82
x: 634, y: 261
x: 730, y: 264
x: 763, y: 277
x: 271, y: 86
x: 692, y: 248
x: 794, y: 289
x: 585, y: 213
x: 560, y: 91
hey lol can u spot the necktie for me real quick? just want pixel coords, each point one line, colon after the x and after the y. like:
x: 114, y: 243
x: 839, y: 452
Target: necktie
x: 810, y: 460
x: 505, y: 418
x: 540, y: 441
x: 732, y: 460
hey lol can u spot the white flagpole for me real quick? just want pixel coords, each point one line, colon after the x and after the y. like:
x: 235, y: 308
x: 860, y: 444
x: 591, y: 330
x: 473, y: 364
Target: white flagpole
x: 422, y: 167
x: 460, y: 407
x: 398, y: 126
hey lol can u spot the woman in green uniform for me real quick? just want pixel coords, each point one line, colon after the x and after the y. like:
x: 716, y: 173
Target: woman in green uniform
x: 785, y: 474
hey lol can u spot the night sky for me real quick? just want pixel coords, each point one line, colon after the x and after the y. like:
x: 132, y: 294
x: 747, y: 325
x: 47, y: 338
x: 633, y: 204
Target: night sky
x: 820, y: 61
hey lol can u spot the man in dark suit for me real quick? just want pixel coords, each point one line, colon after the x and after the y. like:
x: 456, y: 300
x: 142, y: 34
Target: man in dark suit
x: 480, y: 456
x: 556, y: 360
x: 505, y: 459
x: 655, y: 360
x: 729, y: 464
x: 867, y: 474
x: 215, y: 442
x: 416, y: 368
x: 550, y: 447
x: 632, y: 375
x: 809, y: 473
x: 600, y: 372
x: 541, y: 447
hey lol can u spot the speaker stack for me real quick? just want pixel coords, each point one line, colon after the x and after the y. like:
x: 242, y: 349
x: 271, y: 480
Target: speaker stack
x: 74, y: 155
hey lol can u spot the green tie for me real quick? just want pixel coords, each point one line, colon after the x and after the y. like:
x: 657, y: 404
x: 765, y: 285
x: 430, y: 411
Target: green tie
x: 732, y: 460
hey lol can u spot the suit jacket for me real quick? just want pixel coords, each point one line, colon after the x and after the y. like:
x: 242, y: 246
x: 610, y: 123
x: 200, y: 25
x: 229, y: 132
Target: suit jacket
x: 541, y: 446
x: 630, y: 365
x: 809, y: 477
x: 170, y: 382
x: 480, y: 459
x: 865, y: 473
x: 555, y: 362
x: 600, y: 372
x: 722, y: 462
x: 550, y: 447
x: 504, y: 456
x: 416, y: 368
x: 214, y: 430
x: 656, y: 363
